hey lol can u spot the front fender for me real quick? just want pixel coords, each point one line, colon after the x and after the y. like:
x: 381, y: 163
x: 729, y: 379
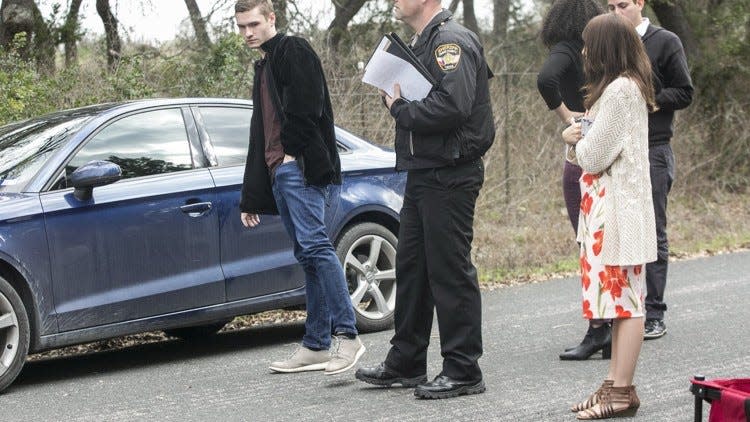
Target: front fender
x: 34, y: 271
x: 369, y: 194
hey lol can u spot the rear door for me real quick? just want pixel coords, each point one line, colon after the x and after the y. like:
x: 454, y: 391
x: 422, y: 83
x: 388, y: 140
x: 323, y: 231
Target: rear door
x: 257, y: 261
x: 145, y: 245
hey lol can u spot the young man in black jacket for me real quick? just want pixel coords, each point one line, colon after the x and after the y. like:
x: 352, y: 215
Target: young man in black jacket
x: 292, y: 169
x: 440, y: 141
x: 674, y: 91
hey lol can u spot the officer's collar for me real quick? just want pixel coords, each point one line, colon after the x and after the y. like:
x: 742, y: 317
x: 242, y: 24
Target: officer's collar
x: 439, y: 19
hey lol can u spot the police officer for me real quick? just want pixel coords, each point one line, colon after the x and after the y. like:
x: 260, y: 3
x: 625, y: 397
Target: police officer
x: 440, y: 141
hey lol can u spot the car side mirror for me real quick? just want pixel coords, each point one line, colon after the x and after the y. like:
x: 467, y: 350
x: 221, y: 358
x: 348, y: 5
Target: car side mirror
x: 92, y: 174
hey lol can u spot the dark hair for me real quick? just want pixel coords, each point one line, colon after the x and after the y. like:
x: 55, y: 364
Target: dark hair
x: 266, y: 7
x: 612, y: 48
x: 566, y: 19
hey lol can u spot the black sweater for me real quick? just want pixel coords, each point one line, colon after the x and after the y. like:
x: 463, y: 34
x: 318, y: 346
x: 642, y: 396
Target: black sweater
x: 672, y: 84
x: 561, y: 78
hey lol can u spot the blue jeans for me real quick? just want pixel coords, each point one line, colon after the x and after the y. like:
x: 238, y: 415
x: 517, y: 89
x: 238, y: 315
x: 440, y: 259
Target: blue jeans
x: 302, y: 209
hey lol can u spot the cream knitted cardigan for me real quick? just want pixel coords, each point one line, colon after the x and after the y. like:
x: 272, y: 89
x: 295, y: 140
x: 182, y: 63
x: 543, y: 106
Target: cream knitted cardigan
x: 616, y: 145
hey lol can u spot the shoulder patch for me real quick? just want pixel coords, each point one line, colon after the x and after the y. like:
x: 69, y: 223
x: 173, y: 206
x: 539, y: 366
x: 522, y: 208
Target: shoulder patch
x: 448, y: 56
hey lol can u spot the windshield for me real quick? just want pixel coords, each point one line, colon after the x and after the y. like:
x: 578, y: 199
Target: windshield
x: 25, y: 146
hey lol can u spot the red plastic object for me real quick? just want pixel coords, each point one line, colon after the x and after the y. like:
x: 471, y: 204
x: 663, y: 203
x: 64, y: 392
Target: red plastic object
x: 729, y: 398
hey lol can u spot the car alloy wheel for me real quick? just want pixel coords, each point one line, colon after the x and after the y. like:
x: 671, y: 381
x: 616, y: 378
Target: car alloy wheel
x: 14, y: 334
x: 368, y: 255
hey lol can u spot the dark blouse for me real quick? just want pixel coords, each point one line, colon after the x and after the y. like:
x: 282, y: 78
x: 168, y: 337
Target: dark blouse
x: 561, y: 78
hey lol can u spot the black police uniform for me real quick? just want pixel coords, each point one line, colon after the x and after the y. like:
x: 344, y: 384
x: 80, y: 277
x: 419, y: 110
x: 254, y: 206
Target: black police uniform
x: 440, y: 141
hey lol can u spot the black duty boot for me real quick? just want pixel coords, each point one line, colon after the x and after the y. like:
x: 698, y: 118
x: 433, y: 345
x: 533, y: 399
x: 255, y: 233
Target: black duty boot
x: 596, y: 339
x: 443, y: 387
x: 385, y: 376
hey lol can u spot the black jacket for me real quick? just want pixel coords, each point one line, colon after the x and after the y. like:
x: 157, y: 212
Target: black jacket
x: 299, y: 90
x: 672, y: 84
x: 561, y: 77
x: 454, y: 122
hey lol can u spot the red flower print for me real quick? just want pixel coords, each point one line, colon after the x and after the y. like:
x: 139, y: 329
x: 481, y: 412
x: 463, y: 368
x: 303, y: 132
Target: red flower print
x: 587, y: 310
x: 601, y: 193
x: 597, y: 247
x: 621, y: 312
x: 613, y: 279
x: 637, y: 269
x: 586, y: 203
x: 585, y: 269
x: 589, y: 178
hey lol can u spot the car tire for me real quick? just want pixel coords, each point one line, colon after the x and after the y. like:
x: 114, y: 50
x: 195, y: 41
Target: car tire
x: 198, y: 332
x: 14, y: 334
x: 371, y: 280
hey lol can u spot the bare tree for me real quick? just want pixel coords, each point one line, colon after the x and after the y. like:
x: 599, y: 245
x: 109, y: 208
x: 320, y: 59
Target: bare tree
x: 279, y: 7
x: 345, y: 11
x: 500, y: 16
x: 69, y: 33
x: 23, y: 16
x: 199, y: 24
x: 672, y: 17
x: 470, y: 18
x: 114, y: 45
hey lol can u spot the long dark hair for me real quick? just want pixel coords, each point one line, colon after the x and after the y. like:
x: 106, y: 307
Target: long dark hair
x: 567, y: 18
x: 612, y: 48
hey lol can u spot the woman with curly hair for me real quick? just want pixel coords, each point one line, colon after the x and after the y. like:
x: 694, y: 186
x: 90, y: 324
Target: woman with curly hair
x: 560, y: 82
x: 617, y: 228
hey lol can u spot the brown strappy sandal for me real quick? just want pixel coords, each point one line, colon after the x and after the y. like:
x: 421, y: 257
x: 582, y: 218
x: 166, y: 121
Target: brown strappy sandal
x: 593, y: 399
x: 615, y: 402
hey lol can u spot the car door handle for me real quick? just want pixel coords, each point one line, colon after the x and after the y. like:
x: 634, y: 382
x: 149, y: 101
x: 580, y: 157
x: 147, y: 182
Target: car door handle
x: 197, y: 210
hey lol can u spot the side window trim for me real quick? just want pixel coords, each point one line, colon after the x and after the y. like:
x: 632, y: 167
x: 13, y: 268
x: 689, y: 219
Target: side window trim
x: 197, y: 153
x: 204, y: 138
x: 342, y: 148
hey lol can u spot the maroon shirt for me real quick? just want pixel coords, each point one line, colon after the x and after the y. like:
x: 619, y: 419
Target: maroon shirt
x: 271, y: 126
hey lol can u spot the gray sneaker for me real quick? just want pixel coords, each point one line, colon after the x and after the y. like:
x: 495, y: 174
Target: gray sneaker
x: 303, y: 359
x: 344, y: 355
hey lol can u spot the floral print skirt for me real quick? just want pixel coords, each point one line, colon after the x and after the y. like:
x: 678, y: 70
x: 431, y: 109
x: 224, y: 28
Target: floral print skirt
x: 608, y: 291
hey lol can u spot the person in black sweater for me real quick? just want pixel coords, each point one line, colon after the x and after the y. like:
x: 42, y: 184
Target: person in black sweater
x: 559, y: 82
x: 674, y: 91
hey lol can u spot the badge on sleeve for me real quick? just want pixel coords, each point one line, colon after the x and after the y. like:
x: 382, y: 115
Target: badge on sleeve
x: 448, y: 56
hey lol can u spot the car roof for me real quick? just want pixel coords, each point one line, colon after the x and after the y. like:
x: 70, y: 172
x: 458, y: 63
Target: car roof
x: 124, y: 106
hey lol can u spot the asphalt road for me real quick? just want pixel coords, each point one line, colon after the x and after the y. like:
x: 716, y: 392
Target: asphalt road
x: 525, y: 327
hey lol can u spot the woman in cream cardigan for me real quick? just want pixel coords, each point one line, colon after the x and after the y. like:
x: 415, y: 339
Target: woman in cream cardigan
x: 616, y: 225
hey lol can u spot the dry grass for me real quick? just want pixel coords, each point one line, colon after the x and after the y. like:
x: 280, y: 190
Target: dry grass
x: 522, y: 232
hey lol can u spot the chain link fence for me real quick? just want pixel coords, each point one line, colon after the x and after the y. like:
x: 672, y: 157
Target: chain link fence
x: 521, y: 222
x: 521, y: 202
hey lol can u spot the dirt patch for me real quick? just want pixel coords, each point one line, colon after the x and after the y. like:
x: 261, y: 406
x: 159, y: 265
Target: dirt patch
x: 239, y: 323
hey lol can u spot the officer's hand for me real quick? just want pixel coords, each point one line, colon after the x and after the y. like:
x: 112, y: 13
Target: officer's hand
x: 249, y: 220
x: 396, y: 95
x: 382, y: 97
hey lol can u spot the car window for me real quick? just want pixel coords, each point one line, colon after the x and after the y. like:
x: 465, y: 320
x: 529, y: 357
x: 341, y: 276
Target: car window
x: 229, y: 130
x: 26, y: 146
x: 143, y: 144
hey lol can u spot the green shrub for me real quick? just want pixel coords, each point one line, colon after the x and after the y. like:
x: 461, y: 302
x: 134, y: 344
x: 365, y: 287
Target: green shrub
x: 23, y: 93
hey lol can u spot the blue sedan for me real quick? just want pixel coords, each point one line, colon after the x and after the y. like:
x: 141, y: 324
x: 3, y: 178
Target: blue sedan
x: 122, y: 218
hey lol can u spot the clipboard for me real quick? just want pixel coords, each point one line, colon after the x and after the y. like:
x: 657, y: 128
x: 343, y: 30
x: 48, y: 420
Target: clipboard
x: 399, y: 49
x: 392, y: 62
